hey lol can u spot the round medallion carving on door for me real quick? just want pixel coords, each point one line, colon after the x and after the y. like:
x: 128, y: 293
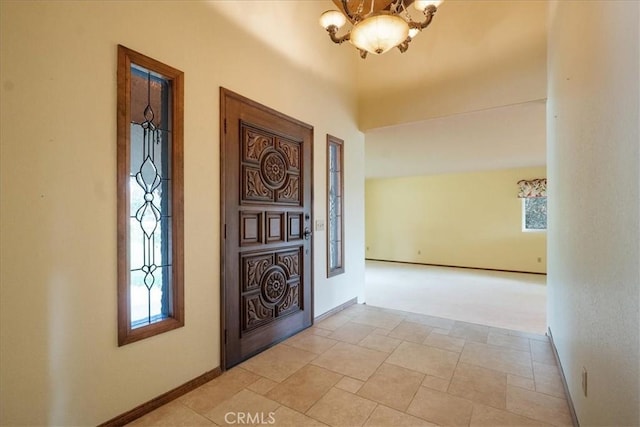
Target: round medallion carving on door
x: 274, y: 285
x: 273, y: 169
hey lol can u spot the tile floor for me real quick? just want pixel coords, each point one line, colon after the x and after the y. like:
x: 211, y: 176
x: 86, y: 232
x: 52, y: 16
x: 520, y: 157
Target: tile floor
x: 368, y: 366
x: 497, y: 298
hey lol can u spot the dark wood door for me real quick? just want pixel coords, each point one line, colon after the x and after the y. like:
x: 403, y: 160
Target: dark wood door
x: 266, y: 165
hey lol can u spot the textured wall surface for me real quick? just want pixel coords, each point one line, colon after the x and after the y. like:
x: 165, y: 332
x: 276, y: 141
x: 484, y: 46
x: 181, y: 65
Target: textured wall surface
x: 594, y: 236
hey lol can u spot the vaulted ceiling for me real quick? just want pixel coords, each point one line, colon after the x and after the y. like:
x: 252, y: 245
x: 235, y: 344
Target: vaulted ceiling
x: 469, y: 94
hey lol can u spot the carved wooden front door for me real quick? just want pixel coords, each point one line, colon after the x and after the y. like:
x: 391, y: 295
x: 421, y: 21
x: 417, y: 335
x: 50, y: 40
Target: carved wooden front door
x: 266, y: 223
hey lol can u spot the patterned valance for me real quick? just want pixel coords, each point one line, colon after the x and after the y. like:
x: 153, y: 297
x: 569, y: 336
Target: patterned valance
x: 532, y: 188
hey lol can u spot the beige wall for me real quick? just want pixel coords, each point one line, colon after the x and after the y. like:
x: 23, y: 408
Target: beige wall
x: 594, y: 236
x: 60, y: 360
x: 466, y: 220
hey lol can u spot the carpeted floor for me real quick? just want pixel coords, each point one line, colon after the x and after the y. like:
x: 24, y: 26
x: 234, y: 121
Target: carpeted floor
x: 506, y: 300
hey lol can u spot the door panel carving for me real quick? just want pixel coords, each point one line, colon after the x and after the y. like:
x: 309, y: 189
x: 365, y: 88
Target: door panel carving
x: 270, y: 290
x: 254, y: 143
x: 294, y: 226
x: 291, y: 261
x: 271, y: 167
x: 266, y: 178
x: 275, y: 227
x: 256, y: 313
x: 292, y: 151
x: 254, y: 188
x: 290, y: 193
x: 291, y: 302
x: 250, y: 228
x: 253, y: 268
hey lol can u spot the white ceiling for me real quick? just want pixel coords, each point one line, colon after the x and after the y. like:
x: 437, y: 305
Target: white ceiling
x: 466, y: 37
x: 498, y: 138
x: 468, y: 95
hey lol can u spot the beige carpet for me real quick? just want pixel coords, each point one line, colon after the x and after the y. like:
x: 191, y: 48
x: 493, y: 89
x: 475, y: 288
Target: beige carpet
x: 504, y: 300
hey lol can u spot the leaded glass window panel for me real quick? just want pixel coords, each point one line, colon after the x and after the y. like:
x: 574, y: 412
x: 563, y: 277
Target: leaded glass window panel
x: 149, y: 193
x: 335, y: 206
x: 149, y: 197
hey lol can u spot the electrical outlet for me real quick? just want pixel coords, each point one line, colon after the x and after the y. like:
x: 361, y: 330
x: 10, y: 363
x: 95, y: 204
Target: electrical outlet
x: 319, y: 225
x: 584, y: 381
x: 367, y: 248
x: 539, y: 259
x: 419, y: 252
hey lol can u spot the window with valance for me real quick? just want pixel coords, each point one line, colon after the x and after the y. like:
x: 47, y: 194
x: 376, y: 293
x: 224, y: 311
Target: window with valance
x: 534, y: 204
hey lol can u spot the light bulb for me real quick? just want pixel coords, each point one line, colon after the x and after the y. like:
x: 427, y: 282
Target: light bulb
x: 332, y: 18
x: 379, y: 33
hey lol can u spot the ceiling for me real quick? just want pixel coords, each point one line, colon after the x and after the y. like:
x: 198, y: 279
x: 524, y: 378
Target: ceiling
x: 468, y: 95
x: 466, y: 37
x: 498, y: 138
x: 352, y: 5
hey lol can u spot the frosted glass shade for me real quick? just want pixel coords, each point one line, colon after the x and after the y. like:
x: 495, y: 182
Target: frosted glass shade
x: 421, y: 5
x: 413, y: 32
x: 379, y: 33
x: 332, y: 18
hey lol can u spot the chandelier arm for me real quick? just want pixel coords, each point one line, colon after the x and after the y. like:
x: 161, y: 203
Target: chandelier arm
x: 396, y: 6
x: 406, y: 12
x: 428, y: 13
x: 345, y: 7
x: 333, y: 30
x: 402, y: 47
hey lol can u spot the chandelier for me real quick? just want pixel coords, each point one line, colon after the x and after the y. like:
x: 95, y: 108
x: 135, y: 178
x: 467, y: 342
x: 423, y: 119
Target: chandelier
x: 385, y: 25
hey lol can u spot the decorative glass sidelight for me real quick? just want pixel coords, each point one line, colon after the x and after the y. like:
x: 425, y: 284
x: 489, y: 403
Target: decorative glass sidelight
x: 150, y: 193
x: 335, y: 207
x: 149, y: 197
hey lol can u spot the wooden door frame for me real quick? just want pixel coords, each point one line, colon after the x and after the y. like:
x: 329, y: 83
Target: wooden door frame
x: 224, y: 94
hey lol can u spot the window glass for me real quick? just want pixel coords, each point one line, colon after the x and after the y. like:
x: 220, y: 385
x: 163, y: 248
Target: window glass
x: 335, y: 208
x: 150, y: 191
x: 535, y: 213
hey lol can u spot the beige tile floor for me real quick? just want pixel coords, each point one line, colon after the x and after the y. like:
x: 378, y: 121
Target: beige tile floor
x: 497, y: 298
x: 367, y: 366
